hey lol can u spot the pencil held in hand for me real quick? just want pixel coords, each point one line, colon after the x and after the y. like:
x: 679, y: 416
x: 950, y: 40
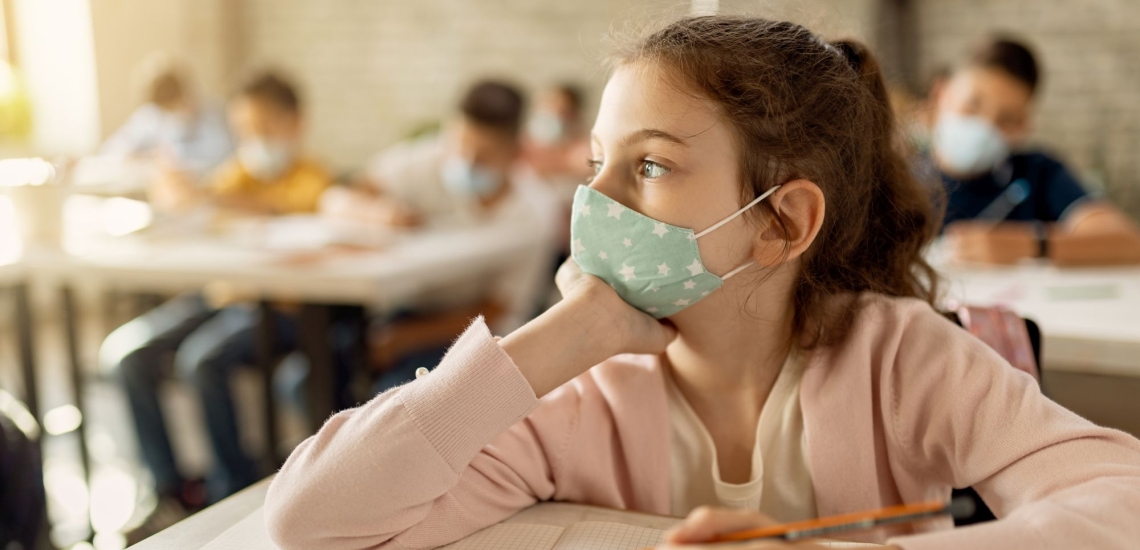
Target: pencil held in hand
x: 846, y: 523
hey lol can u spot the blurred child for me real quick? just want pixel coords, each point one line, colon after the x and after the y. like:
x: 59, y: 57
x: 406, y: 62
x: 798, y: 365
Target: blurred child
x: 268, y: 175
x: 1006, y: 201
x: 175, y: 126
x: 557, y: 140
x: 468, y: 175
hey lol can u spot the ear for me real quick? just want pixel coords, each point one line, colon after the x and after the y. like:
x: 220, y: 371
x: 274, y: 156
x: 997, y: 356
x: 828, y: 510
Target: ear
x: 799, y: 209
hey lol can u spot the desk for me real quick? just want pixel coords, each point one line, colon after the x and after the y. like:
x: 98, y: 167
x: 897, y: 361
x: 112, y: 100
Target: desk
x: 198, y: 530
x: 1089, y: 317
x: 238, y: 523
x: 407, y: 267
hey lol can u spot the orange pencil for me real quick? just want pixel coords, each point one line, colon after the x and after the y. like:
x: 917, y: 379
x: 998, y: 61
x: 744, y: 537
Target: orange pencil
x: 855, y: 521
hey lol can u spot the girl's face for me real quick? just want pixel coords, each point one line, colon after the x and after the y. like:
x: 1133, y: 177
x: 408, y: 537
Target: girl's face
x: 660, y: 150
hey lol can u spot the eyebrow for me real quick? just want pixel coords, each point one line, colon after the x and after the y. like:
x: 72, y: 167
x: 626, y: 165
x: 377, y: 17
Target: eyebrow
x: 650, y: 133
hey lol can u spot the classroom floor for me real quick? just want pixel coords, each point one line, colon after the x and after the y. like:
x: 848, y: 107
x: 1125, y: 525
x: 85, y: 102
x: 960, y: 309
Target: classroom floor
x: 117, y: 495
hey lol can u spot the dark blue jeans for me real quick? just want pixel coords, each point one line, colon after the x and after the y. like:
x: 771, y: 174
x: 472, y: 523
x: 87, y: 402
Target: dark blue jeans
x: 208, y: 345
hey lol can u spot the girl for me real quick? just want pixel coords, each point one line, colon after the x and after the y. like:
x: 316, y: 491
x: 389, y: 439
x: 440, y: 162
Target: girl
x: 797, y: 369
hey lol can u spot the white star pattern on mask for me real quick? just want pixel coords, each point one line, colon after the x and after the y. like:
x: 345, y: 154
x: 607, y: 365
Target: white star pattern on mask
x: 653, y: 289
x: 628, y: 243
x: 705, y: 293
x: 614, y: 210
x: 681, y: 302
x: 577, y: 245
x: 691, y: 236
x: 585, y: 210
x: 603, y: 255
x: 663, y: 269
x: 695, y: 268
x: 652, y: 310
x: 660, y: 230
x: 626, y: 271
x: 690, y: 285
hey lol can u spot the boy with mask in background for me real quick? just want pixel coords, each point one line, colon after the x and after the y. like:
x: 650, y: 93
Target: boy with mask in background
x: 556, y: 138
x: 268, y: 175
x: 466, y: 176
x: 1006, y: 203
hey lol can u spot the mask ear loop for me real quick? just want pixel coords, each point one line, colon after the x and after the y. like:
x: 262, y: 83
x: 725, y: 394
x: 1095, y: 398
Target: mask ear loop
x: 721, y: 223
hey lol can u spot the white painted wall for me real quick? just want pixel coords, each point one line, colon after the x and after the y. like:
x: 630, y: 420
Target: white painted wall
x: 57, y: 58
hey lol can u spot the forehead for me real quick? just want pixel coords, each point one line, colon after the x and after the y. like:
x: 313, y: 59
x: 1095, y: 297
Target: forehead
x: 991, y: 84
x: 465, y: 130
x: 645, y: 95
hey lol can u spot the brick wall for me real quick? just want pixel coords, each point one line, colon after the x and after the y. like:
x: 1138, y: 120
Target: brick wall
x: 1090, y: 101
x: 372, y: 71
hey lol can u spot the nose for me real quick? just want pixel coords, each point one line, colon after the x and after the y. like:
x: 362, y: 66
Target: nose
x: 609, y: 183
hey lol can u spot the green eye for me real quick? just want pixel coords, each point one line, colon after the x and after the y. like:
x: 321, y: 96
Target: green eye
x: 653, y: 170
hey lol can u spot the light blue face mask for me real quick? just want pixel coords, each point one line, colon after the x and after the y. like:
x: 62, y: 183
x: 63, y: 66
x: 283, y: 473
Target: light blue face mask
x: 968, y: 145
x: 463, y: 178
x: 653, y: 266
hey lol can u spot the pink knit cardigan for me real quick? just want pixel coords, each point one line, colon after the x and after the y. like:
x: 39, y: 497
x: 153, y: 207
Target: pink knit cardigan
x: 908, y: 406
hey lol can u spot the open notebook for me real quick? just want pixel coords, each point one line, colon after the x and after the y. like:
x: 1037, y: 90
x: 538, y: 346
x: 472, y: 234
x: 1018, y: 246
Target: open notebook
x: 249, y: 534
x: 586, y: 535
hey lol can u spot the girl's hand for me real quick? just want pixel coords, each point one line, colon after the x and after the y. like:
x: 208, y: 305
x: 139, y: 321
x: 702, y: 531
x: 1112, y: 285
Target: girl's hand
x: 635, y: 331
x: 704, y: 523
x: 591, y: 324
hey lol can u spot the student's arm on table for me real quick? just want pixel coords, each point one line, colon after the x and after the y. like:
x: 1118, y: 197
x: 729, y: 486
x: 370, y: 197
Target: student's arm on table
x: 174, y: 191
x: 956, y: 413
x: 364, y: 203
x: 1095, y: 233
x: 439, y: 458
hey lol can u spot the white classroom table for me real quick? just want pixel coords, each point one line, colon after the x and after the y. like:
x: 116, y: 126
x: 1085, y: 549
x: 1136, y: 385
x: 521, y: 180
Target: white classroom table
x: 404, y: 267
x: 386, y: 277
x: 1089, y: 317
x: 399, y: 270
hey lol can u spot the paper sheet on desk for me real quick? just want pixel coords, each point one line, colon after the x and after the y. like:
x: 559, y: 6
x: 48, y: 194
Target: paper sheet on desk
x: 301, y: 233
x: 250, y: 534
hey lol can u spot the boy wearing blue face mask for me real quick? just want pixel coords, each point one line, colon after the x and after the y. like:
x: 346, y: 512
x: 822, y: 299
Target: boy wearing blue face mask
x: 1005, y: 203
x: 467, y: 175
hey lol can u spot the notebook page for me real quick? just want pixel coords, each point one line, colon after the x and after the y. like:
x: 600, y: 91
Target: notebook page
x: 510, y: 536
x: 599, y: 535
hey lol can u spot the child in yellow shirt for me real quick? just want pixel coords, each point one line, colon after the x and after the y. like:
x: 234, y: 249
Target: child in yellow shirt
x: 267, y: 175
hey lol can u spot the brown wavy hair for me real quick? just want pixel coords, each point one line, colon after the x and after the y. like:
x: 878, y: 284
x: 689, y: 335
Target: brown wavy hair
x: 801, y: 107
